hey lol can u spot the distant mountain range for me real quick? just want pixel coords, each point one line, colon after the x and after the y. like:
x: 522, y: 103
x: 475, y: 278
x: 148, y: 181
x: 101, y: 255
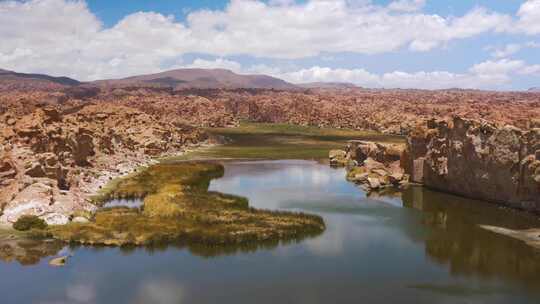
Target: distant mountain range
x: 176, y: 79
x: 200, y: 78
x: 14, y: 79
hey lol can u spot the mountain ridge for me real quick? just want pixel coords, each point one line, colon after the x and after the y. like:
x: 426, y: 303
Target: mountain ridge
x: 200, y: 78
x: 62, y: 80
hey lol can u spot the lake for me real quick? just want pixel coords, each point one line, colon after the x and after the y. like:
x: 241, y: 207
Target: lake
x: 416, y: 247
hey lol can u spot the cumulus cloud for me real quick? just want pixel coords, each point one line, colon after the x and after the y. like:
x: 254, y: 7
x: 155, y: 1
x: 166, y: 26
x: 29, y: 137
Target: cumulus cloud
x: 396, y: 79
x: 511, y: 49
x: 529, y: 17
x: 218, y: 63
x: 487, y: 75
x: 75, y: 43
x: 407, y: 5
x: 507, y: 50
x: 499, y: 67
x: 533, y: 70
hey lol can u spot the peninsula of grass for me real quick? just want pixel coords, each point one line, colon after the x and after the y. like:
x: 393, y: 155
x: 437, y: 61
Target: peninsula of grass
x: 178, y: 208
x: 282, y: 141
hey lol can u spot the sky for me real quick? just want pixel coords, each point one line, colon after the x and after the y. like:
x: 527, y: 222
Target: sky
x: 429, y: 44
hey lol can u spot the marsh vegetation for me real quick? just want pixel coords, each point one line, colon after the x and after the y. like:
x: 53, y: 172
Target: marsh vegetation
x: 282, y: 141
x: 179, y: 208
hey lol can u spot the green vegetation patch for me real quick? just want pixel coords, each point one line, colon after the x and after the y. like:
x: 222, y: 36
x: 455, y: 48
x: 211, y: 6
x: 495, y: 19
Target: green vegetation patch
x: 27, y: 222
x: 283, y: 141
x: 178, y: 208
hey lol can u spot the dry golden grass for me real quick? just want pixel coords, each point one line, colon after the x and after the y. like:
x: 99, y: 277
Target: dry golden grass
x: 178, y: 208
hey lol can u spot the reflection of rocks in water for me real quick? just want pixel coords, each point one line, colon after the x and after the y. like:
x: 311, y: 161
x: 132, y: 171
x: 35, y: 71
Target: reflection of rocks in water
x: 531, y: 237
x: 209, y: 251
x: 457, y: 240
x: 25, y: 251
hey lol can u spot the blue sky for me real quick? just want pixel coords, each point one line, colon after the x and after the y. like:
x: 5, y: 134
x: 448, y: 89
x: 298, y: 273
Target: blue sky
x: 392, y: 43
x: 110, y: 12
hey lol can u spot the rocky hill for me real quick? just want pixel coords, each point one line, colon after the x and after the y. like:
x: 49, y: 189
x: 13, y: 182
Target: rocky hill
x: 13, y: 80
x: 200, y: 78
x: 535, y: 90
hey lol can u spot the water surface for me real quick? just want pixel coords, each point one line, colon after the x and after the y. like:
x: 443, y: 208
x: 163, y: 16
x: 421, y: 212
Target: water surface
x: 424, y: 247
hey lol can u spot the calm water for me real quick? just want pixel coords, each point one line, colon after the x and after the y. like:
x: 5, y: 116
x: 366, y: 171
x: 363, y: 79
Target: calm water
x: 422, y: 248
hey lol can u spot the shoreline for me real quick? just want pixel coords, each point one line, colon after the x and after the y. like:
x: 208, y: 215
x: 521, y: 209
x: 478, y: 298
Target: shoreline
x: 80, y: 200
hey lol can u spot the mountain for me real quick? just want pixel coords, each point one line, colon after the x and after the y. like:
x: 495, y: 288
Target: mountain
x: 327, y: 85
x: 10, y: 79
x: 200, y: 78
x: 535, y: 89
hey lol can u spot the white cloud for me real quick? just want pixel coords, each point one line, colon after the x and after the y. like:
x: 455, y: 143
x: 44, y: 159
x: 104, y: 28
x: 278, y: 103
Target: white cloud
x: 398, y: 79
x: 407, y: 5
x: 218, y: 63
x: 507, y: 50
x: 76, y: 44
x: 499, y: 67
x: 533, y: 44
x: 487, y: 75
x: 529, y: 17
x: 533, y: 70
x: 511, y: 49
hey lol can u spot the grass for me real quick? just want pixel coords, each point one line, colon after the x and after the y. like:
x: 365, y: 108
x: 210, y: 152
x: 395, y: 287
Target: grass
x: 282, y: 141
x: 178, y: 208
x: 27, y: 222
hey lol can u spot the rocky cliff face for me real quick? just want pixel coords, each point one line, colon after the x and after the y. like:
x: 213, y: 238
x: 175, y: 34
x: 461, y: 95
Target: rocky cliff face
x: 478, y: 160
x: 53, y: 158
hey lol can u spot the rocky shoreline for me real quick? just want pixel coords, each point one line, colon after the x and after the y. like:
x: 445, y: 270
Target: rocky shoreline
x: 59, y: 146
x: 373, y: 166
x: 470, y: 158
x: 51, y: 163
x: 477, y: 159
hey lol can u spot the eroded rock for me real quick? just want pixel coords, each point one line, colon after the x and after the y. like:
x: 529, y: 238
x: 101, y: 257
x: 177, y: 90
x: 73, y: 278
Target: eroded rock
x: 376, y: 166
x: 478, y: 160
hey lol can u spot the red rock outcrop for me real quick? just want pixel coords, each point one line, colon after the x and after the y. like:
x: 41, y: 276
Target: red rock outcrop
x: 53, y: 158
x: 373, y: 165
x: 63, y: 142
x: 477, y: 160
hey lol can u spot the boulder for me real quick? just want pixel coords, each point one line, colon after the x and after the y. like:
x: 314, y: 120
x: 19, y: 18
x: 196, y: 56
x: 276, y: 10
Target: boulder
x: 59, y: 261
x: 33, y: 200
x: 337, y: 157
x: 373, y: 183
x: 7, y: 169
x: 360, y: 178
x: 360, y: 151
x: 35, y: 169
x: 82, y: 147
x: 80, y: 219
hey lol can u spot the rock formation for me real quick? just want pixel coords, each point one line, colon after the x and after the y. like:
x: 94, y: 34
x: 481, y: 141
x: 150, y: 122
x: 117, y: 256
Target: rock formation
x: 372, y: 165
x: 60, y: 140
x: 477, y: 160
x: 53, y: 158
